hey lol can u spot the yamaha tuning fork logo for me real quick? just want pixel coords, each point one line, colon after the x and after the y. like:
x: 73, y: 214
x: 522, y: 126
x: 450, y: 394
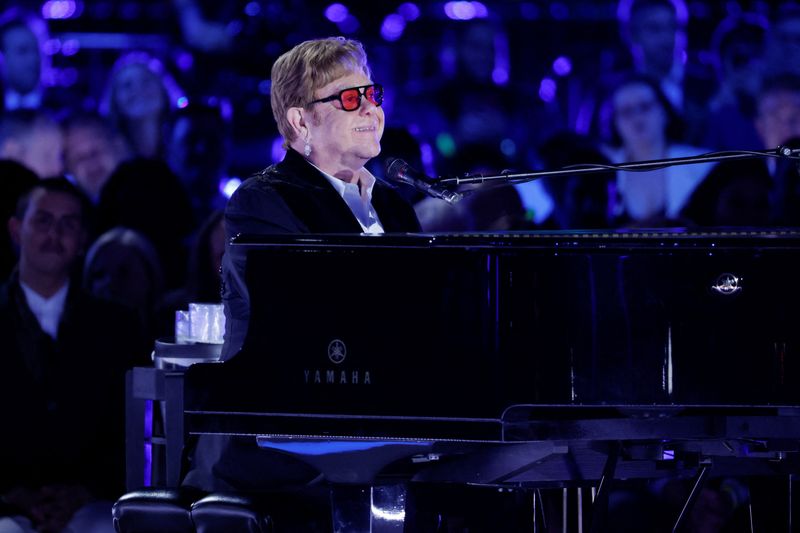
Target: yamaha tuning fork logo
x: 338, y: 374
x: 727, y: 284
x: 337, y: 351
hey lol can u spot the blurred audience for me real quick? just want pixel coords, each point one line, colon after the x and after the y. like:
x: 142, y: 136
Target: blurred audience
x: 738, y: 49
x: 581, y: 201
x: 485, y: 207
x: 199, y: 31
x: 63, y: 365
x: 139, y: 98
x: 733, y: 194
x: 757, y: 192
x: 32, y: 138
x: 778, y: 110
x: 122, y: 266
x: 92, y: 151
x: 146, y: 196
x: 198, y: 151
x: 778, y: 124
x: 21, y: 35
x: 644, y: 127
x: 656, y: 34
x: 782, y: 45
x: 203, y: 280
x: 469, y: 101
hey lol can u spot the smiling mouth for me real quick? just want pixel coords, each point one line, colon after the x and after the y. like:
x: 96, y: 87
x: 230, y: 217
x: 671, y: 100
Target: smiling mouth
x: 365, y: 128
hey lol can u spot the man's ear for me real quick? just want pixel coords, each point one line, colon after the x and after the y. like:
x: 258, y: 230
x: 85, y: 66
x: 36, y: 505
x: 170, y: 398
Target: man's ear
x: 14, y: 224
x: 297, y: 120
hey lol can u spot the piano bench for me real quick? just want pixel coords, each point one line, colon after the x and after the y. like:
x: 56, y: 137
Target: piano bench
x: 154, y: 510
x: 229, y: 513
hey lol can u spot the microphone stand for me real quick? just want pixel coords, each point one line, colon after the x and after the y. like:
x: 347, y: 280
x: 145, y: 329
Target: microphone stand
x: 782, y: 152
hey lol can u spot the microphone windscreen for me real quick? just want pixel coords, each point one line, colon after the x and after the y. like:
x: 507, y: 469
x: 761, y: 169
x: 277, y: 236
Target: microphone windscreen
x: 395, y: 168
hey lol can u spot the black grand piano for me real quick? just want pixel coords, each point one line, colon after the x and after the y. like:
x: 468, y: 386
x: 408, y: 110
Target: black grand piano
x: 516, y: 360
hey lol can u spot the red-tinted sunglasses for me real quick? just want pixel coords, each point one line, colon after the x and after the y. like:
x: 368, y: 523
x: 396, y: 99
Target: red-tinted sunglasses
x: 350, y: 98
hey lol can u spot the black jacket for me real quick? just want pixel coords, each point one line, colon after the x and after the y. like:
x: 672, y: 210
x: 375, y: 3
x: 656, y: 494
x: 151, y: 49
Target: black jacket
x: 62, y: 401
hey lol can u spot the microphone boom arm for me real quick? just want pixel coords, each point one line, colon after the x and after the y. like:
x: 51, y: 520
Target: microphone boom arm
x: 636, y: 166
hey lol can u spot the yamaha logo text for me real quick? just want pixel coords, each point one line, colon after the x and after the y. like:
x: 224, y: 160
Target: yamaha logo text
x: 337, y: 375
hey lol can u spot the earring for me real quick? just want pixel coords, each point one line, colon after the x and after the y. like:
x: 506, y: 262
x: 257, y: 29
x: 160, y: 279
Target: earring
x: 307, y: 148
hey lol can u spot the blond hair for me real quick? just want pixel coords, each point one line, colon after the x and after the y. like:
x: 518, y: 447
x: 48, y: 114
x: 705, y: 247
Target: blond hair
x: 298, y: 73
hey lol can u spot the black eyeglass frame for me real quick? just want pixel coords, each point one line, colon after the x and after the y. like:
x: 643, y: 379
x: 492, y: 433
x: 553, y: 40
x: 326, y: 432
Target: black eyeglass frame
x: 362, y: 93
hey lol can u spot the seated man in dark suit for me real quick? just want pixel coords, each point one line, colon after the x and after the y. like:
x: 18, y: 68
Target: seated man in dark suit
x: 328, y: 110
x: 61, y: 371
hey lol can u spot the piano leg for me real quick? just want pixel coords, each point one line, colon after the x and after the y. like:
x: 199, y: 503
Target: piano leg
x: 600, y: 506
x: 539, y: 517
x: 699, y: 482
x: 368, y: 509
x: 388, y: 509
x: 794, y: 502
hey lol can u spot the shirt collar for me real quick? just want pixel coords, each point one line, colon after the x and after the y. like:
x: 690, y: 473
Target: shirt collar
x: 366, y: 179
x: 35, y: 299
x: 47, y: 311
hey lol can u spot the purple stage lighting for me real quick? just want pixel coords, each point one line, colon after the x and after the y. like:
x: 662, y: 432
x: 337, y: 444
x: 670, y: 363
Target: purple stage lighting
x: 393, y: 27
x: 508, y: 147
x: 227, y: 186
x: 276, y: 150
x: 70, y: 47
x: 426, y: 152
x: 51, y: 47
x: 547, y: 90
x: 336, y: 13
x: 59, y: 9
x: 500, y: 76
x: 529, y: 10
x: 562, y: 66
x: 559, y: 11
x: 184, y: 61
x: 252, y: 9
x: 465, y: 10
x: 66, y: 77
x: 409, y: 11
x: 481, y: 11
x: 350, y: 24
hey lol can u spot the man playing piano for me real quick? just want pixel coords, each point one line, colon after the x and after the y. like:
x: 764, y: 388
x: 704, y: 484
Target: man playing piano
x: 328, y: 110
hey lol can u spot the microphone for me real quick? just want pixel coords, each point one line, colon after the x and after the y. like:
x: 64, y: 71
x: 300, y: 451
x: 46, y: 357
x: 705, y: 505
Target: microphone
x: 399, y: 171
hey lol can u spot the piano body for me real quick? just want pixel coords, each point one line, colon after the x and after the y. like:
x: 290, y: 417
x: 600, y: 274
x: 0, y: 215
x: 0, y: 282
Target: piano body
x: 521, y: 360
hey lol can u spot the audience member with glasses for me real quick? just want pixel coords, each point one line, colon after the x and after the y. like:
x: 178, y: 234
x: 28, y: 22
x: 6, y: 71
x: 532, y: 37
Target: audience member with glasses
x: 328, y: 110
x: 62, y: 374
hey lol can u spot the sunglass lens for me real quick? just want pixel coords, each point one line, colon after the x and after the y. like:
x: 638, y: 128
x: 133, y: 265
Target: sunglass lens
x: 375, y: 94
x: 351, y: 99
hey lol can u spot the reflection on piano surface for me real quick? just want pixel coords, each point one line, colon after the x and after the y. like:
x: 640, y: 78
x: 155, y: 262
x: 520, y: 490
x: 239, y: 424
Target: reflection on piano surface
x: 521, y: 360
